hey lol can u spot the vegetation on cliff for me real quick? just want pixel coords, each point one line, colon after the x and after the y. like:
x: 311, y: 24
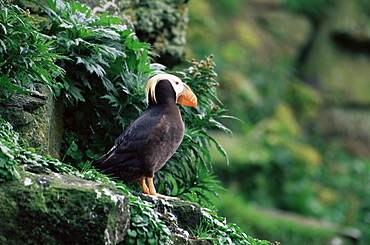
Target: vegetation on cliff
x: 145, y: 224
x: 279, y: 157
x: 98, y: 68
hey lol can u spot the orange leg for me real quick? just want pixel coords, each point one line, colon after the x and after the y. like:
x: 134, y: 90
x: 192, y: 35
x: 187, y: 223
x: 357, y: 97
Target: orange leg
x: 150, y: 189
x: 144, y: 186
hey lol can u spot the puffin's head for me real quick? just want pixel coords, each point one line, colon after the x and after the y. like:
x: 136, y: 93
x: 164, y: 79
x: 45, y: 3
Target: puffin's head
x: 184, y: 96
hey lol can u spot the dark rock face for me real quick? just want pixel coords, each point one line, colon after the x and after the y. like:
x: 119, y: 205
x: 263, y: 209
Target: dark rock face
x: 37, y: 117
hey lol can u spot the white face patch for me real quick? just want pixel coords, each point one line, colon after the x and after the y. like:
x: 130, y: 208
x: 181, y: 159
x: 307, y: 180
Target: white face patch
x: 176, y: 83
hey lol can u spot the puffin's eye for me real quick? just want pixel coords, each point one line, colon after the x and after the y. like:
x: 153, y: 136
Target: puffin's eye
x: 177, y: 83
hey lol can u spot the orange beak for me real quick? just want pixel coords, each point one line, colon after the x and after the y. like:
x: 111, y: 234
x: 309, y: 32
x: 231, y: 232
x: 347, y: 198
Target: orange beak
x: 187, y: 97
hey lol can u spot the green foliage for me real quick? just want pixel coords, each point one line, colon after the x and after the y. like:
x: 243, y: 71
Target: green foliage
x: 99, y: 49
x: 12, y: 153
x: 218, y: 231
x: 26, y: 55
x: 106, y: 72
x: 344, y: 177
x: 8, y: 165
x: 146, y: 228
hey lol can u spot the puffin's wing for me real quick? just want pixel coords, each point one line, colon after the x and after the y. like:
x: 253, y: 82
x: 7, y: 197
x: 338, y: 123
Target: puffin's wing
x: 129, y: 142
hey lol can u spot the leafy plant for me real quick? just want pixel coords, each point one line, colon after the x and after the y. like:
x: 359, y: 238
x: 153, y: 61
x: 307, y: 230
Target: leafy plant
x: 26, y: 55
x: 106, y: 73
x: 146, y: 228
x: 98, y: 47
x: 103, y: 89
x: 8, y: 165
x: 221, y: 232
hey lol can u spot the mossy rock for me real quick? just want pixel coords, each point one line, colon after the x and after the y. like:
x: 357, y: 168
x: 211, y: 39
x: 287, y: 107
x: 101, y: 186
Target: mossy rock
x: 186, y: 214
x: 182, y: 218
x: 49, y: 208
x: 57, y: 209
x: 37, y: 117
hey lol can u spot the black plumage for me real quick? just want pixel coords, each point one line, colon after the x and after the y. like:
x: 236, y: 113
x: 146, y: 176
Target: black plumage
x: 146, y: 145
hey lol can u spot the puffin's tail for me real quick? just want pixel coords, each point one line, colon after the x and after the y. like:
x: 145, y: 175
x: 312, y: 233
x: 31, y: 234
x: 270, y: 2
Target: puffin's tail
x: 98, y: 163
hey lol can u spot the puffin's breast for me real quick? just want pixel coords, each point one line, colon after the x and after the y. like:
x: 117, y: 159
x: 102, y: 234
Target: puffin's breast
x: 162, y: 142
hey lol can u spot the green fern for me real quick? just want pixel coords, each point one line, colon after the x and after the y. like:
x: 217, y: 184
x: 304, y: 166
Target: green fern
x: 26, y: 55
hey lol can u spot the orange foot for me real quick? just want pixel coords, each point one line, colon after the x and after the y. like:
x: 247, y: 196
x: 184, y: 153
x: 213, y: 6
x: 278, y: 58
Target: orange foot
x: 151, y: 189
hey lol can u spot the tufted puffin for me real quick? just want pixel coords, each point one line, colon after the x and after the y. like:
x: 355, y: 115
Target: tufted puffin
x: 146, y: 145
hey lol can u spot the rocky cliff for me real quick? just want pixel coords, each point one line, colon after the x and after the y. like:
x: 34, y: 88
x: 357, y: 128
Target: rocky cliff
x: 38, y: 118
x: 45, y: 207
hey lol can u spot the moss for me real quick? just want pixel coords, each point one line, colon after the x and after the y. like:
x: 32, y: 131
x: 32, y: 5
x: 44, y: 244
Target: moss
x: 56, y: 209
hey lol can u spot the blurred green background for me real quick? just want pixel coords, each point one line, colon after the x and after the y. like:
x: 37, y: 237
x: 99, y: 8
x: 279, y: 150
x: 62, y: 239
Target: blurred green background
x: 296, y: 73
